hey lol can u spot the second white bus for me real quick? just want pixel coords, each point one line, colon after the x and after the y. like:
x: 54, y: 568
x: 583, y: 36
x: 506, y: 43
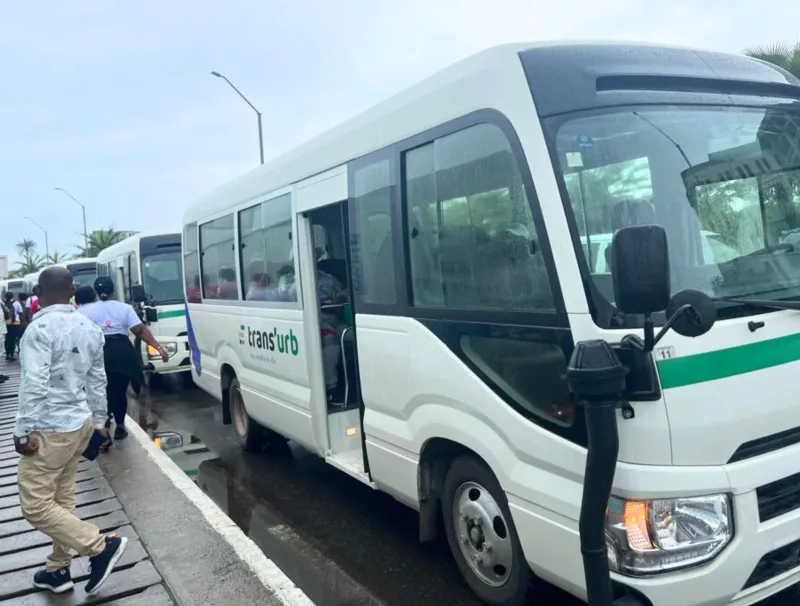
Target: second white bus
x: 152, y: 260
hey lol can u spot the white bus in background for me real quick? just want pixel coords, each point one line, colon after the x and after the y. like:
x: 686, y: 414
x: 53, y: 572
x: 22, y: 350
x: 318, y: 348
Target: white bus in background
x: 14, y: 285
x: 151, y: 262
x: 451, y: 216
x: 83, y: 270
x: 31, y: 280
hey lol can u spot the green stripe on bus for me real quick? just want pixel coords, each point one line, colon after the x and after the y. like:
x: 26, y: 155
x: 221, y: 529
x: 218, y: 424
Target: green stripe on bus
x: 699, y: 368
x: 175, y: 313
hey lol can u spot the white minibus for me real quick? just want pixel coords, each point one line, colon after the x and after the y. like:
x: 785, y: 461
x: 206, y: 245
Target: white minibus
x: 151, y: 263
x: 402, y: 294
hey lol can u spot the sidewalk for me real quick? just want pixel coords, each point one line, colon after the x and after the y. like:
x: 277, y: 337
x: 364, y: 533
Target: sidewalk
x: 182, y: 549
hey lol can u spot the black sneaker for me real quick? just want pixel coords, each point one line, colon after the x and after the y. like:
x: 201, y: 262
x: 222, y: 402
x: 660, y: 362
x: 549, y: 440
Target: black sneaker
x: 101, y: 565
x: 120, y: 433
x: 57, y: 582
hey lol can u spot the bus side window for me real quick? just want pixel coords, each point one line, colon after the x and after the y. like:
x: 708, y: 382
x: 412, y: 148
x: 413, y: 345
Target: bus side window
x: 218, y: 259
x: 473, y: 240
x: 191, y: 264
x: 473, y: 246
x: 265, y: 231
x: 132, y: 274
x: 371, y: 234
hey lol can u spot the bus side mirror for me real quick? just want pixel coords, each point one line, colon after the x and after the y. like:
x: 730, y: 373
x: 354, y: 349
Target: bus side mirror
x: 137, y: 294
x: 640, y: 269
x: 151, y: 315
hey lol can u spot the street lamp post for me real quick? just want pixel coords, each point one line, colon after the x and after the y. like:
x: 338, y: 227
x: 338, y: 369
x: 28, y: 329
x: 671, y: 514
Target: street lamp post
x: 83, y: 209
x: 258, y: 113
x: 46, y: 240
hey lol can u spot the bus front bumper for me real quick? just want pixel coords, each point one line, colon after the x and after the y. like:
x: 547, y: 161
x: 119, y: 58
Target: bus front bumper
x: 762, y: 559
x: 179, y: 356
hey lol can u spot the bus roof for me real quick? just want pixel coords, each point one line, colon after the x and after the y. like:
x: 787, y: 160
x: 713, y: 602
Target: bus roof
x: 130, y: 243
x: 76, y: 261
x: 472, y: 84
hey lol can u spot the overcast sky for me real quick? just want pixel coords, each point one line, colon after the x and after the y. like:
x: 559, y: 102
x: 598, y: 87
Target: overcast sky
x: 114, y: 102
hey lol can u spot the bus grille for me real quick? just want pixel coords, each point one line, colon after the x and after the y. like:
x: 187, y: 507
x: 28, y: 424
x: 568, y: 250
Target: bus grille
x: 779, y: 497
x: 775, y: 563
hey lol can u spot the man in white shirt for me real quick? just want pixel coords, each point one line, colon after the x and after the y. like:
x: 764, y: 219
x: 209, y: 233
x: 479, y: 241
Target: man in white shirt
x: 62, y: 401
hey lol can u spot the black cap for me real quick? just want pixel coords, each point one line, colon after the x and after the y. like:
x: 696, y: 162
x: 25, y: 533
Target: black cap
x: 104, y: 285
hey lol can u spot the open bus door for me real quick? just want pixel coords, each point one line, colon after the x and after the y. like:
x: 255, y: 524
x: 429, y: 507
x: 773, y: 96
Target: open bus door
x: 327, y: 284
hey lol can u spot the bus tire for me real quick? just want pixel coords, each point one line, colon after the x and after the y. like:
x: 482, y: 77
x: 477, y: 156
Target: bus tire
x: 482, y: 535
x: 251, y: 435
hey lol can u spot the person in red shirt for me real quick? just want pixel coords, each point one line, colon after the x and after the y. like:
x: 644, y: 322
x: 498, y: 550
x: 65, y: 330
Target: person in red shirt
x: 33, y: 301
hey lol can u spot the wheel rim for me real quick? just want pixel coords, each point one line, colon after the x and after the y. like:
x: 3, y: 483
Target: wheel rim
x: 483, y: 534
x: 238, y: 413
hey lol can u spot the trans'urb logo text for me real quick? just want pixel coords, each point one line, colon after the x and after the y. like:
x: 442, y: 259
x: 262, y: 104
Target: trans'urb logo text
x: 269, y: 341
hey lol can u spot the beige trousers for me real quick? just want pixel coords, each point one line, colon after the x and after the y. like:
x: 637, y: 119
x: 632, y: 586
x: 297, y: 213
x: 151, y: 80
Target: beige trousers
x: 47, y: 494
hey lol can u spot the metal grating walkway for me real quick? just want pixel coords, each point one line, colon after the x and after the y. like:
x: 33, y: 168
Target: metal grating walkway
x: 134, y: 582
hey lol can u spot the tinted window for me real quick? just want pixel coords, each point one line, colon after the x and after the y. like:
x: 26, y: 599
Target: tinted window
x: 218, y: 259
x: 266, y: 243
x: 191, y: 264
x: 530, y: 374
x: 161, y: 277
x: 473, y: 244
x: 371, y: 233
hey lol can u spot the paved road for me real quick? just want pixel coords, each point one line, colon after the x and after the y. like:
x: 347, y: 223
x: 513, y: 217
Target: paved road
x: 341, y: 542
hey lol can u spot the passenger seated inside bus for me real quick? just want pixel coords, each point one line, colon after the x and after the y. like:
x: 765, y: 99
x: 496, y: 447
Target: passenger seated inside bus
x: 330, y: 293
x: 227, y: 287
x: 259, y: 284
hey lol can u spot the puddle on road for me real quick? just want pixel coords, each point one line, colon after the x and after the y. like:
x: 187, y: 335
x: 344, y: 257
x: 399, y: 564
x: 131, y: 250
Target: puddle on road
x: 325, y: 583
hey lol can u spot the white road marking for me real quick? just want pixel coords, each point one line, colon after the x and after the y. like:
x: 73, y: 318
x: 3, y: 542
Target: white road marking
x: 271, y: 576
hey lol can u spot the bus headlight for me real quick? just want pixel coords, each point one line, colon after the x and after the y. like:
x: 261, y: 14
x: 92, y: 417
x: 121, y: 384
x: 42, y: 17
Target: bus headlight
x: 170, y: 348
x: 651, y: 537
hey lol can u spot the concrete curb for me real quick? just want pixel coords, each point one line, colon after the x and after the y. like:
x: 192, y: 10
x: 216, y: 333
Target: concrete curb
x: 264, y: 569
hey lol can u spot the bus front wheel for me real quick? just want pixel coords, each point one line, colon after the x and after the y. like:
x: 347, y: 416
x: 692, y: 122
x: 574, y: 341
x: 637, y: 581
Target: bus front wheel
x: 250, y: 434
x: 482, y: 535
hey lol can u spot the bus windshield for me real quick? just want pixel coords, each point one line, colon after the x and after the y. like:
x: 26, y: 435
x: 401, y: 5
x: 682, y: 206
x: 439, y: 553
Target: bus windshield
x: 84, y: 275
x: 162, y: 277
x: 723, y: 181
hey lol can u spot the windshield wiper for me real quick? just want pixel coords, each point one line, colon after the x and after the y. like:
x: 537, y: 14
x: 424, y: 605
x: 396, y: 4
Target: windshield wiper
x: 792, y: 305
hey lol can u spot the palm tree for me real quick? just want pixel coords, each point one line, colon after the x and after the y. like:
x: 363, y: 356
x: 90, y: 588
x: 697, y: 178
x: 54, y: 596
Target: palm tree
x: 56, y: 257
x: 100, y: 239
x: 30, y: 265
x: 781, y: 54
x: 26, y: 247
x: 31, y: 260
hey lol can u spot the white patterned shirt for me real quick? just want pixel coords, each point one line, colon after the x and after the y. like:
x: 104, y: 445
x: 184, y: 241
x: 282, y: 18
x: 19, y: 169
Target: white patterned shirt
x: 63, y: 380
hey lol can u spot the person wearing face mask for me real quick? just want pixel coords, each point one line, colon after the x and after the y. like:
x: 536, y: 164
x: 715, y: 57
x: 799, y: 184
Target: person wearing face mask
x: 122, y: 363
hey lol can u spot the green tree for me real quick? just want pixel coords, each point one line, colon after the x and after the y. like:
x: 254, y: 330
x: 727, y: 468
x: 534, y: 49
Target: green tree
x: 57, y: 257
x: 26, y: 247
x: 781, y: 54
x: 100, y: 239
x: 32, y: 261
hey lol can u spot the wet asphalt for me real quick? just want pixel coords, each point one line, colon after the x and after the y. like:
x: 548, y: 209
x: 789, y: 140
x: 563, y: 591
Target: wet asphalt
x: 341, y: 542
